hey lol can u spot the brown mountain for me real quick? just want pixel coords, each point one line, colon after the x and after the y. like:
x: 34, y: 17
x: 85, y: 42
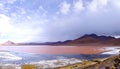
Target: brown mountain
x: 113, y: 41
x: 93, y: 39
x: 8, y: 43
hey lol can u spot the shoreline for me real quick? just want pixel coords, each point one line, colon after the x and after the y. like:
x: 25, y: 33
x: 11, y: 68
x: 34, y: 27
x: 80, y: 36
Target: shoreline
x: 65, y: 64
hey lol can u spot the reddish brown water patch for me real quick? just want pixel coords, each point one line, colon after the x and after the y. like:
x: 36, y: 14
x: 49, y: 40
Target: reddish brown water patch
x: 55, y: 49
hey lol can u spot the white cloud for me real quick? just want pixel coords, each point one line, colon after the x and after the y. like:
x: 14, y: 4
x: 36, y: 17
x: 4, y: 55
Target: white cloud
x: 117, y: 36
x: 23, y: 11
x: 1, y: 6
x: 13, y: 14
x: 42, y: 10
x: 78, y: 6
x: 28, y: 17
x: 10, y: 1
x: 93, y: 6
x: 23, y: 34
x: 96, y: 5
x: 65, y: 7
x: 4, y: 23
x: 20, y: 10
x: 15, y: 32
x: 116, y: 3
x: 103, y: 2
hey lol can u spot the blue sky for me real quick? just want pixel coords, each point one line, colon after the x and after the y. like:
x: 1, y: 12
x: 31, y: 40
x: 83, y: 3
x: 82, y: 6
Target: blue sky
x: 54, y: 20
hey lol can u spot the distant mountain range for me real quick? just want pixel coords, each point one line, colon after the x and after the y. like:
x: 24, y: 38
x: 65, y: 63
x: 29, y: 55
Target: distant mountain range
x: 93, y: 39
x: 88, y: 39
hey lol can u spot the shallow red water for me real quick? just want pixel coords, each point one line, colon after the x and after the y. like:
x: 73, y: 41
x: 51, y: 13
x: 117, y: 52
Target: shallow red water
x: 55, y: 49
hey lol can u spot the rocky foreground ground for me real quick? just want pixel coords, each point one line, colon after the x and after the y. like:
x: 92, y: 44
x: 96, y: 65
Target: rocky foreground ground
x: 112, y: 62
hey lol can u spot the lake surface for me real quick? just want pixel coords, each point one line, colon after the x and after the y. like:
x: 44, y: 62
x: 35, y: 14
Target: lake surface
x: 23, y: 54
x: 55, y: 49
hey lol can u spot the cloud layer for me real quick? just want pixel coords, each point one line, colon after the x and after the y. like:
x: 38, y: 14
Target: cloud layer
x: 54, y: 20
